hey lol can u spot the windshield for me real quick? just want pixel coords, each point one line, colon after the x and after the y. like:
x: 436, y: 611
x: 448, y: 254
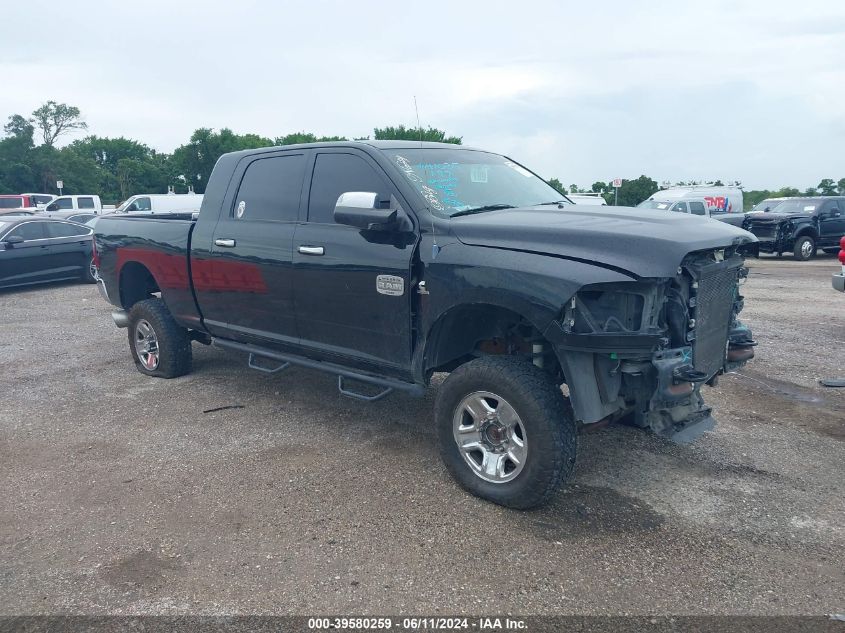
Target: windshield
x: 655, y: 204
x: 11, y: 203
x: 794, y: 206
x: 455, y: 181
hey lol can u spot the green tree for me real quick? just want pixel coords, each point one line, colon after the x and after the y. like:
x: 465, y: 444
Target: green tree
x: 557, y: 184
x: 840, y: 186
x: 402, y: 133
x: 194, y: 161
x: 632, y: 192
x: 16, y: 174
x: 54, y: 119
x: 810, y: 191
x: 306, y: 137
x: 574, y: 189
x: 19, y: 127
x: 599, y: 187
x: 827, y: 187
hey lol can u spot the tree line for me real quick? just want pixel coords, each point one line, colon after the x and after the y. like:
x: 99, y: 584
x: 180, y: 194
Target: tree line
x: 116, y: 168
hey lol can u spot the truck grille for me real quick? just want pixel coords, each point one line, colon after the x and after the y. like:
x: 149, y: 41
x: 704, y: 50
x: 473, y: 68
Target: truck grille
x: 714, y: 310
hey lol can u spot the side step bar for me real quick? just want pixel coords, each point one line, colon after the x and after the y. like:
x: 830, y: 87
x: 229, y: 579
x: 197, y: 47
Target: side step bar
x: 284, y: 360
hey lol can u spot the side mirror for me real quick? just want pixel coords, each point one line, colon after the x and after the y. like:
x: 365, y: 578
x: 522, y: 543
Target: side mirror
x: 361, y: 209
x: 13, y: 239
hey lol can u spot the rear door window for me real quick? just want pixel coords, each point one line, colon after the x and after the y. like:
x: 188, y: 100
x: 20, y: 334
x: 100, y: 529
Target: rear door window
x: 65, y: 229
x: 335, y: 174
x: 270, y: 189
x: 85, y: 203
x: 680, y: 207
x: 62, y: 203
x: 697, y: 208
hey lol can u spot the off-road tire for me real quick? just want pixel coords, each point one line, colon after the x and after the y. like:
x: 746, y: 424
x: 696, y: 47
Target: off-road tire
x: 800, y: 251
x: 174, y: 343
x: 552, y: 438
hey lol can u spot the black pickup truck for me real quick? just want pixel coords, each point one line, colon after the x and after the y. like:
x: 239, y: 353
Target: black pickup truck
x: 385, y: 262
x: 799, y: 226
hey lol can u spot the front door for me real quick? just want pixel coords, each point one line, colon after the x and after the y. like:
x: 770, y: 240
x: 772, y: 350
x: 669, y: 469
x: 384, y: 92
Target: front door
x: 351, y: 286
x: 244, y: 283
x: 831, y: 223
x: 28, y: 261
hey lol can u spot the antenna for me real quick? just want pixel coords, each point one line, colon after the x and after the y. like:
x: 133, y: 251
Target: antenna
x: 435, y: 249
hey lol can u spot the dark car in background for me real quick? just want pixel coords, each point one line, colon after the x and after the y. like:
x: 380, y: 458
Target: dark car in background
x: 800, y: 226
x: 37, y: 250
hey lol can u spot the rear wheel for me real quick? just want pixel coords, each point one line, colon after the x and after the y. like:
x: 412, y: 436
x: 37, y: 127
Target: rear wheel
x: 506, y: 432
x: 805, y: 248
x: 159, y: 345
x: 89, y: 272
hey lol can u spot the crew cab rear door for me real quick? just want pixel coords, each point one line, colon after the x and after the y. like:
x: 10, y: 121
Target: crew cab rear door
x: 352, y: 286
x: 244, y: 282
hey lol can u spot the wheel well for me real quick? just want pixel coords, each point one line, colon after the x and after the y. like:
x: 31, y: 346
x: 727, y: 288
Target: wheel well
x: 136, y: 284
x: 808, y: 231
x: 469, y: 331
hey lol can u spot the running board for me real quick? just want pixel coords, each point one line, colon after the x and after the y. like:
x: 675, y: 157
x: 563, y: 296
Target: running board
x: 285, y: 360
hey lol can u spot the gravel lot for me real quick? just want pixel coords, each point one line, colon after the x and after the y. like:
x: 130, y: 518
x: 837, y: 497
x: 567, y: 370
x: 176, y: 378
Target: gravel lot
x: 120, y: 495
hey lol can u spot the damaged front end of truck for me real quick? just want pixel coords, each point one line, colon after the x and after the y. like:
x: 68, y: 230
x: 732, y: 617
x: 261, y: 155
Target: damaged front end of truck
x: 642, y: 350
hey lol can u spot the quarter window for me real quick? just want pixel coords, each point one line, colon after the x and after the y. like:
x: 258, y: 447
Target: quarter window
x: 270, y: 189
x: 62, y: 203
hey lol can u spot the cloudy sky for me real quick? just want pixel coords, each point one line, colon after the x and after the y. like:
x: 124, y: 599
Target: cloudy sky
x: 583, y: 91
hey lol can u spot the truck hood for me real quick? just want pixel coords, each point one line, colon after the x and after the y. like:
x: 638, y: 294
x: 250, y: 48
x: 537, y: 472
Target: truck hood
x: 641, y: 242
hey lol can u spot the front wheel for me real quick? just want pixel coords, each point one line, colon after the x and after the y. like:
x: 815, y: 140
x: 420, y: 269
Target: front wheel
x: 805, y: 248
x: 159, y: 345
x: 506, y: 432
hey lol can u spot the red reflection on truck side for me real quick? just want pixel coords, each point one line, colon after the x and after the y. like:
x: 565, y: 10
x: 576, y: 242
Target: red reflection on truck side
x: 218, y: 275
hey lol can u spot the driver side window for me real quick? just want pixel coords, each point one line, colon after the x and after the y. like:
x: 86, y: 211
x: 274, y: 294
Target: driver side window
x: 140, y: 204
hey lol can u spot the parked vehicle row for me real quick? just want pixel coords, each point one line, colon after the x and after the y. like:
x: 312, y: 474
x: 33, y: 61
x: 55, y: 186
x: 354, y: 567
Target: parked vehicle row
x: 385, y: 262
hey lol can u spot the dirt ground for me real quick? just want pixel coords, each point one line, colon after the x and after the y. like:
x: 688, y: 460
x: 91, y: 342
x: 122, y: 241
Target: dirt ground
x: 122, y: 494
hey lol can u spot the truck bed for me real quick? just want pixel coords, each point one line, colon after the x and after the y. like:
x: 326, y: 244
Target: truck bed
x: 161, y: 242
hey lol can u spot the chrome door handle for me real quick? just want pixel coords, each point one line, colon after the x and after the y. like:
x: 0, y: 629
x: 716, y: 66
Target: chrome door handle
x: 225, y: 243
x: 312, y: 250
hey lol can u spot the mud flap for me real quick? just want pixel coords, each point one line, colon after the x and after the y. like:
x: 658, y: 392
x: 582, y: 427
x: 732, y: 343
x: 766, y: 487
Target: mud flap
x: 693, y: 431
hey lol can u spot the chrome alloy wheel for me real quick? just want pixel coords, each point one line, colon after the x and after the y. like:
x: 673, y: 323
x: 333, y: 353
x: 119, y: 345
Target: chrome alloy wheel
x: 146, y: 344
x: 807, y: 249
x: 92, y: 269
x: 490, y: 437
